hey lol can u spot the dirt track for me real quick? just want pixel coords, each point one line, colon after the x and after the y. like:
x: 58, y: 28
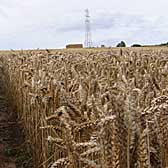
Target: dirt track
x: 12, y: 152
x: 10, y: 132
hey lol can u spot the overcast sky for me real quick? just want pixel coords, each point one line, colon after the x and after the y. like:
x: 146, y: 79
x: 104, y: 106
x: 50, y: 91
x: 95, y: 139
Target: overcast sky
x: 26, y: 24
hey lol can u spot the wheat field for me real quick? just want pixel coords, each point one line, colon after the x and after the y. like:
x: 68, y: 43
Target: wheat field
x: 91, y: 108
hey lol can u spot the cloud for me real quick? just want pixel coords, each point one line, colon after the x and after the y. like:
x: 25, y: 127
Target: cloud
x: 3, y: 13
x: 111, y: 29
x: 53, y: 24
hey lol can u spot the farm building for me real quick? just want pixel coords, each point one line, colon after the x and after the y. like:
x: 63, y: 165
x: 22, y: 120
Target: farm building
x: 74, y: 46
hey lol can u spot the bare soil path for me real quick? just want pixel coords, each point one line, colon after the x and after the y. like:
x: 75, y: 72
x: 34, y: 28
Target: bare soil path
x: 11, y: 138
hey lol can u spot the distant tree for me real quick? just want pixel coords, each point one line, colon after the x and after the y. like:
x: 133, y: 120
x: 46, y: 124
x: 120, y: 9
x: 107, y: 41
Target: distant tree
x: 136, y: 45
x: 121, y: 44
x: 118, y: 45
x: 163, y: 44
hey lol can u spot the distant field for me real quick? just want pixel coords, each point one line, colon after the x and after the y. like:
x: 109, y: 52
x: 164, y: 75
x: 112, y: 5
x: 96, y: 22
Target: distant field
x: 92, y: 108
x: 92, y: 49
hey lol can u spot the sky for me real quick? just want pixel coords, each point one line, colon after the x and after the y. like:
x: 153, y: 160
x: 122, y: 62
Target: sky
x: 31, y: 24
